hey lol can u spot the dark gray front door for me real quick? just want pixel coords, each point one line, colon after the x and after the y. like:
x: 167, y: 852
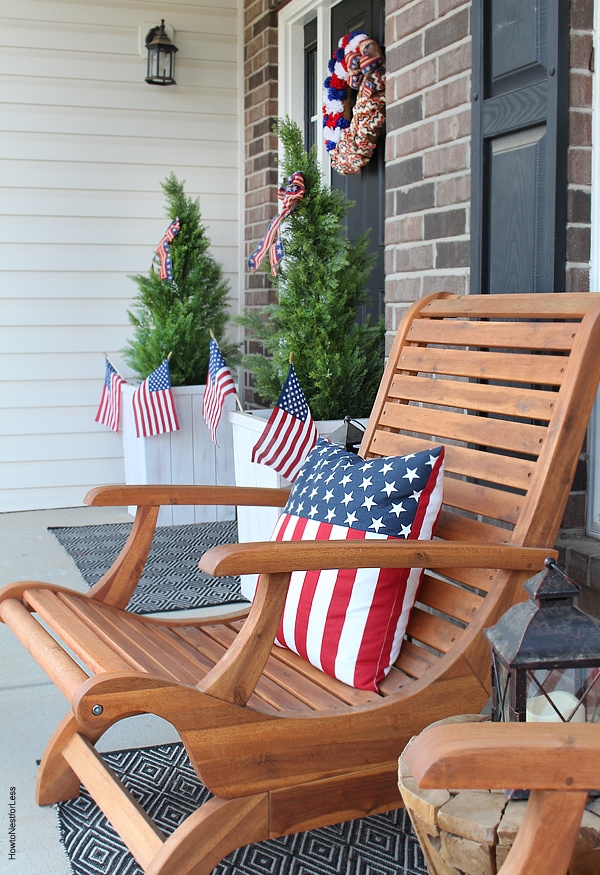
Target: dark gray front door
x: 519, y: 140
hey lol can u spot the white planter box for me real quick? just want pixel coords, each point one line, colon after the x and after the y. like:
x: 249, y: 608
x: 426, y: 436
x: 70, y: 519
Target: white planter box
x: 187, y: 456
x: 257, y: 523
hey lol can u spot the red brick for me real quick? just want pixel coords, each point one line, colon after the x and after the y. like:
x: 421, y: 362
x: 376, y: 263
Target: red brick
x: 453, y: 190
x: 580, y: 128
x: 404, y: 229
x: 579, y: 164
x: 413, y: 258
x: 577, y: 279
x: 580, y: 89
x: 417, y: 79
x: 402, y: 290
x: 446, y: 159
x: 446, y: 6
x: 454, y: 127
x: 457, y: 60
x: 447, y: 96
x: 580, y: 50
x: 412, y: 19
x: 457, y: 284
x: 409, y: 142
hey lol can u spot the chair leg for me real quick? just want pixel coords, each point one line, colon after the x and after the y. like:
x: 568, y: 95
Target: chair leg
x: 210, y: 833
x: 56, y: 781
x: 547, y: 836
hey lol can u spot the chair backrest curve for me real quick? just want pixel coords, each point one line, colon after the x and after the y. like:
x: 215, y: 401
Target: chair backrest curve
x: 507, y: 384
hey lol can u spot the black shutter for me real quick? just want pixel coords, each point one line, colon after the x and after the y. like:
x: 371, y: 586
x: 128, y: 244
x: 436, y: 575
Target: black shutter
x: 519, y: 144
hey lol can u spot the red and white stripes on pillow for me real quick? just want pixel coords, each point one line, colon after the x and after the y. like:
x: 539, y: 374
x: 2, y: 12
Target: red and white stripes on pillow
x: 350, y: 624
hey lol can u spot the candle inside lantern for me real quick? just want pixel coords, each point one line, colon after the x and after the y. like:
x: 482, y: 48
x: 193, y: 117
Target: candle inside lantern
x: 539, y: 709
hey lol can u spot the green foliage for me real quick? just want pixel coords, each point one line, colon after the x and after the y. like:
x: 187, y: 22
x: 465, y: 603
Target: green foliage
x: 177, y: 316
x: 320, y: 286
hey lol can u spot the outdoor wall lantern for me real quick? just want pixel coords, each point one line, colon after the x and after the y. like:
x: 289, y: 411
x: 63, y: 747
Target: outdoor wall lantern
x: 546, y: 656
x: 161, y: 57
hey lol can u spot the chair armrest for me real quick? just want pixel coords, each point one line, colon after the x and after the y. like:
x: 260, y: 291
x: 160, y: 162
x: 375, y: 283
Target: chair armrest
x: 492, y: 756
x: 277, y: 556
x: 156, y: 495
x: 117, y: 585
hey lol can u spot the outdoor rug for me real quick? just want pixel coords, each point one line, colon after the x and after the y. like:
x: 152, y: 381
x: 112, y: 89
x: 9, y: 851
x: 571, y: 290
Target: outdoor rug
x: 171, y: 580
x: 163, y: 781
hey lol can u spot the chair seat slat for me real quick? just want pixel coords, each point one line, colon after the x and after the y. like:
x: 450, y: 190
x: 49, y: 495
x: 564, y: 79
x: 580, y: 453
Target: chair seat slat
x: 299, y: 677
x: 414, y: 661
x: 79, y: 636
x: 129, y: 635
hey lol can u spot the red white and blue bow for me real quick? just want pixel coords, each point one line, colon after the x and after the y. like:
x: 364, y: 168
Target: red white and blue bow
x: 164, y: 255
x: 289, y: 195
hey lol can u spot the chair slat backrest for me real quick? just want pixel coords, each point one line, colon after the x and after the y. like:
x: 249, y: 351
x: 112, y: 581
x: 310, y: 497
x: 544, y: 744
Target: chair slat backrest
x: 484, y: 375
x: 506, y: 383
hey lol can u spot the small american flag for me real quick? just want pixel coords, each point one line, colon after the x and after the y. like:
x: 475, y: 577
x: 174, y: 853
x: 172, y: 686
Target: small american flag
x: 153, y: 404
x: 290, y: 434
x: 219, y: 384
x: 109, y: 410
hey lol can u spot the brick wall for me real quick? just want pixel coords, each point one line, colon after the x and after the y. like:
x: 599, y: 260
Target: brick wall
x: 579, y: 170
x: 427, y: 151
x: 260, y: 144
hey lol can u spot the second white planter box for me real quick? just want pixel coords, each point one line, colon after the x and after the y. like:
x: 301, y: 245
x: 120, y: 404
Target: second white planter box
x: 187, y: 456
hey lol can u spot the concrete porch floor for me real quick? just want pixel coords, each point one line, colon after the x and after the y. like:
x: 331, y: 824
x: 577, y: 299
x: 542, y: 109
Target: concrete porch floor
x: 30, y: 705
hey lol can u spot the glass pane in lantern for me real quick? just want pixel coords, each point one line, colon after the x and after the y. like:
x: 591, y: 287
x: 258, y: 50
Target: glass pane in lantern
x: 164, y: 64
x: 557, y: 694
x: 152, y: 64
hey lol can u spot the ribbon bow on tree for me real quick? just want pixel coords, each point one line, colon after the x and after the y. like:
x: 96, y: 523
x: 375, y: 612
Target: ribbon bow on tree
x: 163, y: 250
x: 289, y: 195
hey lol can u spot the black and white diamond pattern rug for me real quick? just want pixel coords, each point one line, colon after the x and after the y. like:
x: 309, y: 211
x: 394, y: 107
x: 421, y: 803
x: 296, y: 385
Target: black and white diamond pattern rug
x: 171, y: 580
x: 163, y: 781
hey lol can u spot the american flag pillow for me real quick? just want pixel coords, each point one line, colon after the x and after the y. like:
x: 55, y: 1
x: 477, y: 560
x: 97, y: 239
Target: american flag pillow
x: 350, y: 623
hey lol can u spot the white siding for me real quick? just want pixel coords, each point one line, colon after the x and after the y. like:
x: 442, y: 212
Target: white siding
x: 84, y: 146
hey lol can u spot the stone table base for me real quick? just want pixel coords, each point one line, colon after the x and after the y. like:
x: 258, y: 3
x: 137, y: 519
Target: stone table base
x: 470, y: 832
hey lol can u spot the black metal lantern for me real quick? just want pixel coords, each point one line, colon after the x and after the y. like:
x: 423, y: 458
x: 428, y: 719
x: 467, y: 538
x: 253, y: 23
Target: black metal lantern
x: 546, y: 656
x: 161, y: 57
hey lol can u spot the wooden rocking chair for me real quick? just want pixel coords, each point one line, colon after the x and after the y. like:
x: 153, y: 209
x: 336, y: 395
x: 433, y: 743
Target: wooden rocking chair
x: 506, y: 383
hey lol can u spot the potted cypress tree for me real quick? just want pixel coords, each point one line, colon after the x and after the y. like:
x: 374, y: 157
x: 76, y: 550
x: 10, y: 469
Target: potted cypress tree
x: 320, y: 287
x: 176, y: 316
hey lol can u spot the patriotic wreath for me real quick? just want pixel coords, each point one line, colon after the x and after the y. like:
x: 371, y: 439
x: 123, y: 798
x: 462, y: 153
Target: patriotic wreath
x: 351, y: 135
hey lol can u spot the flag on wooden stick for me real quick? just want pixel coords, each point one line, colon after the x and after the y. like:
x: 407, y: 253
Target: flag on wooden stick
x: 290, y: 433
x: 109, y: 410
x: 219, y: 384
x: 153, y: 404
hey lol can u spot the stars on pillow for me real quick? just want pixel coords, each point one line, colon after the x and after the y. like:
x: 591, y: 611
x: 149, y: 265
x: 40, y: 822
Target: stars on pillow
x: 379, y: 496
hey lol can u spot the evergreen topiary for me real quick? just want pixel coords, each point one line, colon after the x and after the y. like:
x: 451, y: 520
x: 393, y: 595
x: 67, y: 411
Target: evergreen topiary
x: 320, y: 287
x: 177, y: 316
